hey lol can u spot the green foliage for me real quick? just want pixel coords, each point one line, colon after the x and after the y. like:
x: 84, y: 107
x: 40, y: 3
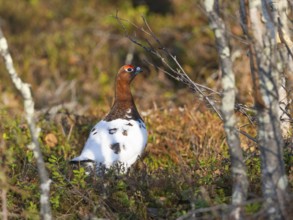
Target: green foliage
x: 160, y: 185
x: 32, y: 211
x: 54, y: 167
x: 253, y: 207
x: 79, y: 178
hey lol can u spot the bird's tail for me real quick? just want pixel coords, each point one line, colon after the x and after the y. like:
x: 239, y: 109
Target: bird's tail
x: 89, y: 165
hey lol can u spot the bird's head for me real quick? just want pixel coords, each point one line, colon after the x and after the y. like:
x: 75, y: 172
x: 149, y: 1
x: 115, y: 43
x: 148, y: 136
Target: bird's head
x: 128, y: 72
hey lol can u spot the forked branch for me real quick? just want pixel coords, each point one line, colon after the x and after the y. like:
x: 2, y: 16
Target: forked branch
x: 165, y: 56
x: 209, y: 96
x: 25, y: 91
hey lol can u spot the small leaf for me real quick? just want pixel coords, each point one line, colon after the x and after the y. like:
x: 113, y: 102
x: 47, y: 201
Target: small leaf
x: 51, y: 140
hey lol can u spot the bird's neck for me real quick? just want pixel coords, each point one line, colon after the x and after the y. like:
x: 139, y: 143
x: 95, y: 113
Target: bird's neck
x: 124, y: 106
x: 123, y: 92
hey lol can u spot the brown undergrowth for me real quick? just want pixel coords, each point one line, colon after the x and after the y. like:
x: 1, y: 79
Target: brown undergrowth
x: 185, y: 166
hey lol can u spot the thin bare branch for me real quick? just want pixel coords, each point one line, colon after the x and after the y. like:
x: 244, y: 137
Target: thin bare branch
x: 208, y: 95
x: 180, y: 74
x: 4, y: 204
x: 219, y: 209
x: 25, y: 91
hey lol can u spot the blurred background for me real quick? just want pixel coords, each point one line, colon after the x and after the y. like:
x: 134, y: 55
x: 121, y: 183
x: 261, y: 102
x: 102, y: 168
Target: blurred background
x: 70, y: 51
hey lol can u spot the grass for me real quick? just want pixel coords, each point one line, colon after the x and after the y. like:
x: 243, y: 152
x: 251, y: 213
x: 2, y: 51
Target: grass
x: 179, y: 171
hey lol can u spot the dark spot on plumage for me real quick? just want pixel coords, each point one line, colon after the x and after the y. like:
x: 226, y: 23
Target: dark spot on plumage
x: 93, y: 129
x: 95, y: 133
x: 125, y: 133
x: 112, y: 130
x: 129, y: 124
x: 115, y: 147
x: 123, y: 146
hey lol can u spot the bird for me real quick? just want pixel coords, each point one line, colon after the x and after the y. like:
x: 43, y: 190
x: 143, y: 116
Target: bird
x: 120, y: 138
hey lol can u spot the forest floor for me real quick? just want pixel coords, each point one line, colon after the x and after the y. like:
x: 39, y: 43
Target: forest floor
x: 185, y: 167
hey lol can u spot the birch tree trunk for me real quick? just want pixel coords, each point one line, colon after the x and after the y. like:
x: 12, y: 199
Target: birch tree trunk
x: 240, y: 182
x: 267, y: 83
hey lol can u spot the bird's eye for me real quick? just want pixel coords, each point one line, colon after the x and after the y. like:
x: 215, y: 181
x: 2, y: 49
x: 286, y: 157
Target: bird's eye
x: 129, y: 69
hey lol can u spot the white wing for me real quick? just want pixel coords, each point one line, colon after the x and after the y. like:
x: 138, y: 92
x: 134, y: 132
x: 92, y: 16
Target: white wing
x: 118, y: 140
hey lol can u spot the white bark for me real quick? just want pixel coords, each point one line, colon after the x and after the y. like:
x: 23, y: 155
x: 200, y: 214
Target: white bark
x: 25, y: 91
x: 270, y: 140
x: 240, y: 182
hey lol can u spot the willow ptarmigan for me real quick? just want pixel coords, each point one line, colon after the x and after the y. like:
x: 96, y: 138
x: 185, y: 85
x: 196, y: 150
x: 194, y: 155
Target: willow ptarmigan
x: 121, y: 136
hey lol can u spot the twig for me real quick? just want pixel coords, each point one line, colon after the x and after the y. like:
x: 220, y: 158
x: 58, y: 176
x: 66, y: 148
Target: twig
x: 198, y: 85
x: 193, y: 213
x: 12, y: 215
x: 178, y: 74
x: 25, y: 91
x: 4, y: 204
x: 3, y: 182
x: 206, y: 93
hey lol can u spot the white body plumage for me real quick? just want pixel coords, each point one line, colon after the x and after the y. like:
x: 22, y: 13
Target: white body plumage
x: 119, y: 140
